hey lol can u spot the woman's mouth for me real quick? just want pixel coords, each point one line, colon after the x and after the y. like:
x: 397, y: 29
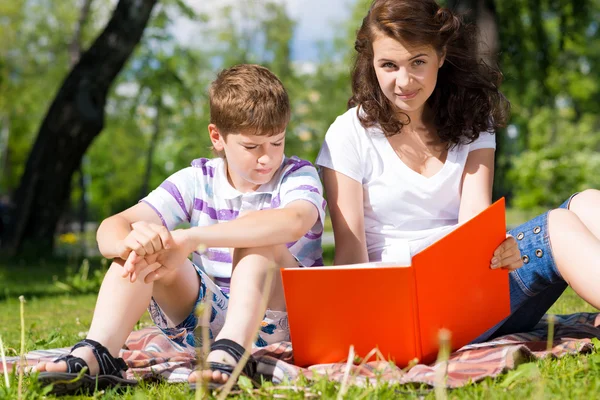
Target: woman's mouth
x: 407, y: 95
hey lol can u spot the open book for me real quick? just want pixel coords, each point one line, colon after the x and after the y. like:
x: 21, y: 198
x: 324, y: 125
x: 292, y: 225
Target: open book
x: 401, y: 309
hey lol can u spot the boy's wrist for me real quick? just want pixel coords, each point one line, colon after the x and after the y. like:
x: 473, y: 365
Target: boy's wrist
x: 195, y: 239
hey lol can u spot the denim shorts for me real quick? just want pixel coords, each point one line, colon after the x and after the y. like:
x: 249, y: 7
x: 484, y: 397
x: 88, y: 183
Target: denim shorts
x: 274, y: 327
x: 536, y: 286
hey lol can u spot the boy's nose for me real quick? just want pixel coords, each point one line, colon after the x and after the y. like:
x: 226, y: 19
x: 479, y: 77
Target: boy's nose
x: 264, y: 159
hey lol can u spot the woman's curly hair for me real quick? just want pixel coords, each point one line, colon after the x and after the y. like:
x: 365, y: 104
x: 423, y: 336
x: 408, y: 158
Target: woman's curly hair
x: 466, y: 99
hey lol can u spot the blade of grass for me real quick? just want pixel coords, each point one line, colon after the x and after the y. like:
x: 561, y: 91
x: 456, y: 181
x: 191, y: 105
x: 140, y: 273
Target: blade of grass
x: 346, y: 377
x: 204, y: 310
x: 550, y: 343
x: 441, y: 373
x: 4, y: 369
x: 22, y: 352
x: 238, y: 368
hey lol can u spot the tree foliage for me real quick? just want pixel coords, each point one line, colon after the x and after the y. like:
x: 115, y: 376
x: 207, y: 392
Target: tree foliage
x: 156, y: 111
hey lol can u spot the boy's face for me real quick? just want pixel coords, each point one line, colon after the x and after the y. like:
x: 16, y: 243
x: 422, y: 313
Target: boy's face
x: 252, y: 160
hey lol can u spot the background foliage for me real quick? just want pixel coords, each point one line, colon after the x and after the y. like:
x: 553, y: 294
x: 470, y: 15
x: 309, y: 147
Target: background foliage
x: 157, y: 110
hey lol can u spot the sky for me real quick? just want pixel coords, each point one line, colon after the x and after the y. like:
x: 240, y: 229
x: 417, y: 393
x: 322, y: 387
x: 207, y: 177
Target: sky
x: 316, y: 21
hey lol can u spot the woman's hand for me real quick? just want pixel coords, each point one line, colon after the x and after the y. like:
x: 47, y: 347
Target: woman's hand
x: 507, y: 255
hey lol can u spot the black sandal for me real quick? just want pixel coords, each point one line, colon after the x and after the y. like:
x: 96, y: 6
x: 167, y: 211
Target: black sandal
x: 236, y: 351
x: 109, y: 375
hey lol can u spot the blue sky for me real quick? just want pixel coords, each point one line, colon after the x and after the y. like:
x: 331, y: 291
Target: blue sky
x: 316, y: 21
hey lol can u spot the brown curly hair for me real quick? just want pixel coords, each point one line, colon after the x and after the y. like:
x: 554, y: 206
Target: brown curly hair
x: 466, y: 99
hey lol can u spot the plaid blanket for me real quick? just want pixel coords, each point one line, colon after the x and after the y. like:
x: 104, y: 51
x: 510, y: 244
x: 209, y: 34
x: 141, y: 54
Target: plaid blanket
x: 151, y: 355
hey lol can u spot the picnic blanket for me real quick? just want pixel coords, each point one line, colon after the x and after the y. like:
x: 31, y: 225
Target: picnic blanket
x: 151, y: 355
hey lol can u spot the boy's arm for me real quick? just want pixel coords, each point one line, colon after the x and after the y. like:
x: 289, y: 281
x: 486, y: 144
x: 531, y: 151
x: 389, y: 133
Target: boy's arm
x: 258, y: 228
x: 116, y: 237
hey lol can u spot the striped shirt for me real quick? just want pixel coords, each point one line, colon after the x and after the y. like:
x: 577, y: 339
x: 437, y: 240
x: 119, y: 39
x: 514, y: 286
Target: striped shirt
x: 202, y: 195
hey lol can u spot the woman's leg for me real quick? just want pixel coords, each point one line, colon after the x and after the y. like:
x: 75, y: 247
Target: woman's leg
x: 586, y: 205
x: 121, y: 303
x: 247, y: 291
x: 576, y: 250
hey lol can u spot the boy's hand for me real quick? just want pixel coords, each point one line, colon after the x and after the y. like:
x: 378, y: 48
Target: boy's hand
x: 144, y: 239
x: 507, y: 255
x: 156, y: 265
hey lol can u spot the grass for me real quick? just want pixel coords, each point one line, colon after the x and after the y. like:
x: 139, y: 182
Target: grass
x: 56, y: 316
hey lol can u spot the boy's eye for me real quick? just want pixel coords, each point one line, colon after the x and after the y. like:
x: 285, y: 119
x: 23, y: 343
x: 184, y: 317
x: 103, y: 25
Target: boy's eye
x: 277, y: 144
x: 249, y: 147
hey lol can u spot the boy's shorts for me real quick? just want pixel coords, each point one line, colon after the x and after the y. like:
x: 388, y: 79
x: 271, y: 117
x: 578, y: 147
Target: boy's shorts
x: 536, y: 286
x: 274, y: 327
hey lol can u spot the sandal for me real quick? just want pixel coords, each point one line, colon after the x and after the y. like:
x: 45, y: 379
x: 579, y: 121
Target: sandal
x: 236, y: 351
x: 109, y: 375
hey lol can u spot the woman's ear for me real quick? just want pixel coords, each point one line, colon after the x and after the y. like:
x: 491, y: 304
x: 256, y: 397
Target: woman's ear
x: 442, y: 57
x: 215, y: 137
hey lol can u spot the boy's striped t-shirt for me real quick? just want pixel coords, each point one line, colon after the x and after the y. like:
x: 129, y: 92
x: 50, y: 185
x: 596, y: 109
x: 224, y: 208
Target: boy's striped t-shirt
x: 202, y: 195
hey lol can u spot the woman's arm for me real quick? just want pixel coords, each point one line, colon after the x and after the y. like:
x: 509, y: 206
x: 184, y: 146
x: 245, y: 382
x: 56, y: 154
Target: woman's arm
x: 477, y: 182
x: 345, y: 200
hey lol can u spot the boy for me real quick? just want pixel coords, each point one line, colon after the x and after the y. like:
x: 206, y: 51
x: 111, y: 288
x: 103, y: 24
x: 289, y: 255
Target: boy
x: 266, y: 208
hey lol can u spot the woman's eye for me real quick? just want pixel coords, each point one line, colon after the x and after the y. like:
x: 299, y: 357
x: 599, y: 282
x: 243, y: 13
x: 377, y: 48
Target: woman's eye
x: 388, y: 65
x: 419, y: 62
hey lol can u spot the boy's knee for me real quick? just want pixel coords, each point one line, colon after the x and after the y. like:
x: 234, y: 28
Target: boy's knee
x: 279, y: 254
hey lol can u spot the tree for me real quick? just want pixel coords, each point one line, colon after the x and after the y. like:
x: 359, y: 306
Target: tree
x: 74, y: 119
x: 74, y: 56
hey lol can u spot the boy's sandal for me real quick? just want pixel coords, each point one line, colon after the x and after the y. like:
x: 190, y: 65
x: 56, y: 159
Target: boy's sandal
x: 236, y: 351
x: 109, y: 374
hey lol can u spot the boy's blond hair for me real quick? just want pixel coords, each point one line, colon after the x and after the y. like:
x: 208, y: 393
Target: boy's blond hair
x: 249, y: 99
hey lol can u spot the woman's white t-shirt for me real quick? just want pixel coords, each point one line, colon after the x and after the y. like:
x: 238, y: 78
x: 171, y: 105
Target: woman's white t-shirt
x: 404, y: 210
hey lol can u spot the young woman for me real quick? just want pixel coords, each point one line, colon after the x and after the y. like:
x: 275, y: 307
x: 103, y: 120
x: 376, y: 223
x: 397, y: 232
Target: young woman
x: 414, y: 156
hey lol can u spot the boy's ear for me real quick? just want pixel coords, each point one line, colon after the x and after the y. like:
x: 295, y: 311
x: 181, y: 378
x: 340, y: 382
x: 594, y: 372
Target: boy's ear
x: 215, y: 137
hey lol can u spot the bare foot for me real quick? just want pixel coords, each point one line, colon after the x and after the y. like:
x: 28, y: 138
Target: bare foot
x: 214, y: 376
x: 84, y: 353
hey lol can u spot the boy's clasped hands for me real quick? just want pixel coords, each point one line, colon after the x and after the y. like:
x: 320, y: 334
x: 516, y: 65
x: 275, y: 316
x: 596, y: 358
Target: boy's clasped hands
x: 151, y: 251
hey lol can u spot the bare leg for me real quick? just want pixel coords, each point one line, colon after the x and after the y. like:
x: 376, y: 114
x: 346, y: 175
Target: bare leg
x: 245, y: 301
x: 576, y: 252
x: 586, y: 205
x: 121, y: 303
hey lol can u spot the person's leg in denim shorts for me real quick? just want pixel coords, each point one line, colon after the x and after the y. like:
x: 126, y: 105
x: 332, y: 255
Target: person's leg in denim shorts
x: 536, y: 286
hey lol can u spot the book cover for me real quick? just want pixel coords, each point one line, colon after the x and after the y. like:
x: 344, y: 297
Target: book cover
x: 400, y: 309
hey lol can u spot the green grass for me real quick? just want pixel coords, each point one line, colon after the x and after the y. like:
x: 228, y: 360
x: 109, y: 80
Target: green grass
x: 55, y: 317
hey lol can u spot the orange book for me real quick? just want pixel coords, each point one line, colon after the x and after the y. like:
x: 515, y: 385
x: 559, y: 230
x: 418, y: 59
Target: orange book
x: 400, y: 309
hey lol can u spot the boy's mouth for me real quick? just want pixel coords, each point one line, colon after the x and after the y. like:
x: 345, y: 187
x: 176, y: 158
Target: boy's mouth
x: 264, y: 171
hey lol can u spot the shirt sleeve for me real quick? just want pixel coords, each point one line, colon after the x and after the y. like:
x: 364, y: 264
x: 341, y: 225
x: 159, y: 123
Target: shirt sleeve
x: 340, y: 150
x: 301, y: 182
x: 486, y: 140
x: 173, y: 200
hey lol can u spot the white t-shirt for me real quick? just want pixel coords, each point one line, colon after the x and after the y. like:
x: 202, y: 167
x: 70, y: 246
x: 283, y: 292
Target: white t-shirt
x: 404, y: 211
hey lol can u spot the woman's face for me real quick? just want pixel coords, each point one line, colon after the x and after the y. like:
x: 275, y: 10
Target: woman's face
x: 406, y: 75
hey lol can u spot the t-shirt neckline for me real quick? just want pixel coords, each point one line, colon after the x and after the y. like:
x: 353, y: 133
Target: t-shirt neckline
x: 409, y: 172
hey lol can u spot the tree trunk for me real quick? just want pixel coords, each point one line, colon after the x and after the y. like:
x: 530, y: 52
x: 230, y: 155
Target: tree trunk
x: 74, y: 55
x: 74, y: 119
x: 153, y: 142
x: 483, y: 13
